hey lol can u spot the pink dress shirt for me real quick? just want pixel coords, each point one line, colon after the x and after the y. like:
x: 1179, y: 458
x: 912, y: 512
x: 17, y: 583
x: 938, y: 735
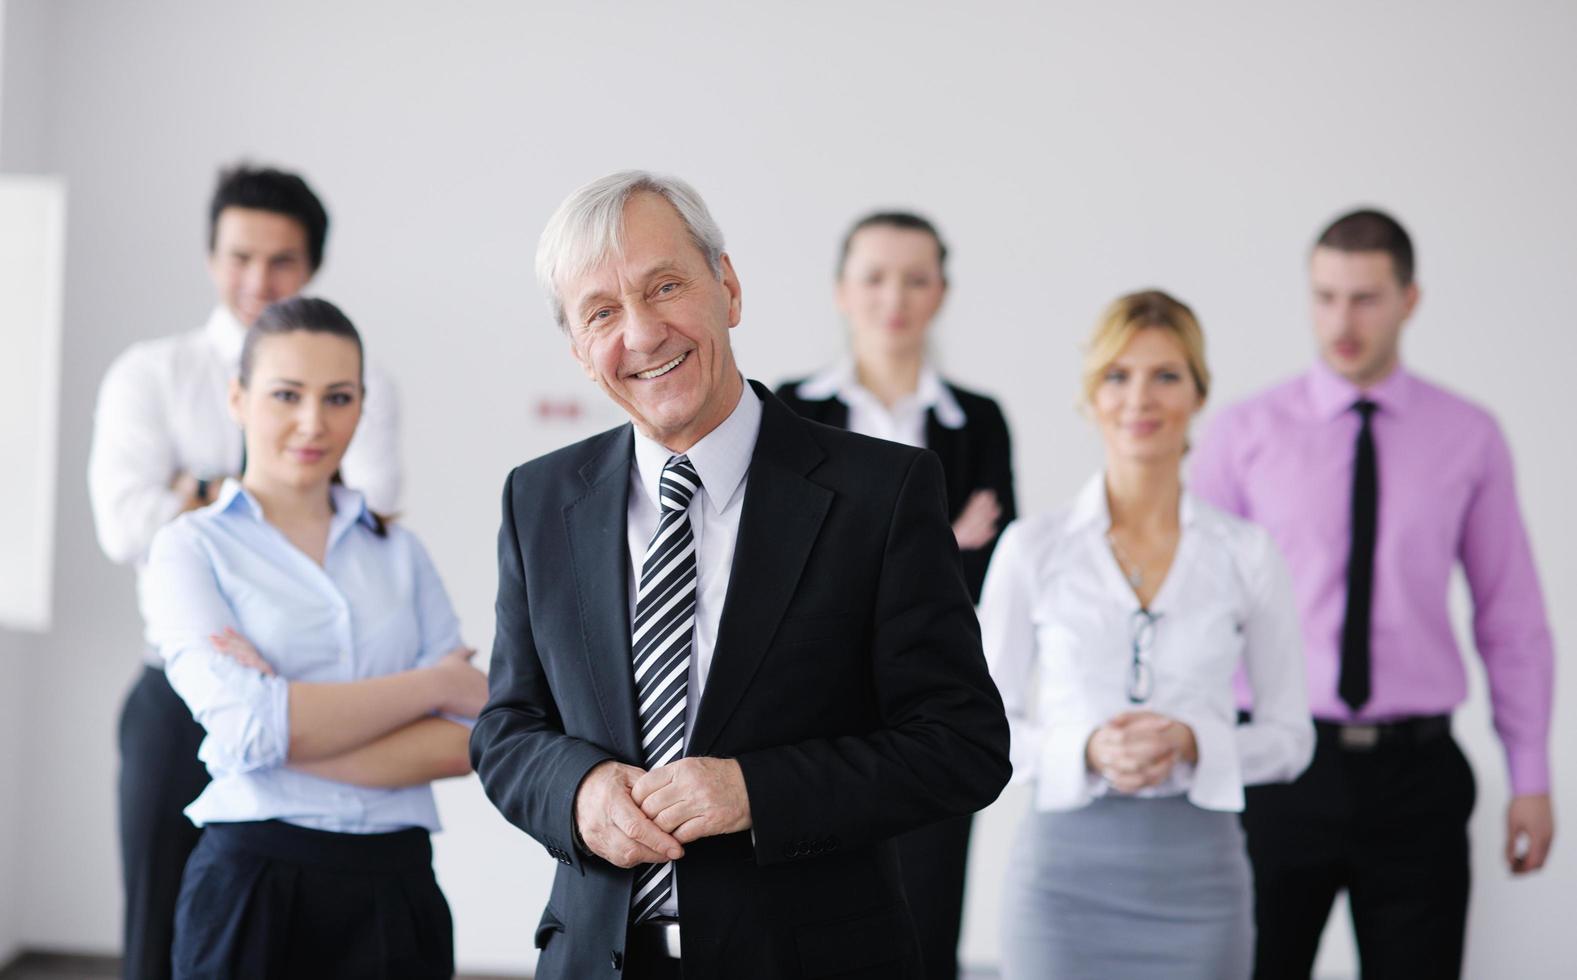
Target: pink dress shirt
x: 1284, y: 459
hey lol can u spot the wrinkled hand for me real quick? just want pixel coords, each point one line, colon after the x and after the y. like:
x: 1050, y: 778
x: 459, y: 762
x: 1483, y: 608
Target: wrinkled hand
x: 612, y: 825
x: 695, y: 798
x: 1138, y: 749
x: 462, y: 688
x: 1530, y: 830
x: 240, y: 649
x: 977, y: 522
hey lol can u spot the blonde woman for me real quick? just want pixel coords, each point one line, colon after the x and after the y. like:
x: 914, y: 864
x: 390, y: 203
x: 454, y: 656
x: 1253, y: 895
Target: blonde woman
x: 1135, y: 606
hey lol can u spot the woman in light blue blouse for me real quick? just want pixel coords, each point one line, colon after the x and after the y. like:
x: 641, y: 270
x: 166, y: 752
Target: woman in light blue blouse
x: 316, y: 646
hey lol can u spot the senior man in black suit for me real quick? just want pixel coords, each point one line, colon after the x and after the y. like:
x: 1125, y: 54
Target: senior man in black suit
x: 735, y: 653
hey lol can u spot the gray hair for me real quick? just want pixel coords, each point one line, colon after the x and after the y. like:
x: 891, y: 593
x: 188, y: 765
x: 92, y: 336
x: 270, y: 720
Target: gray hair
x: 589, y: 226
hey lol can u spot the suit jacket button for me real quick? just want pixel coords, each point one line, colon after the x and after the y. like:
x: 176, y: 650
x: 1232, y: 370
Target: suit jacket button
x: 617, y: 959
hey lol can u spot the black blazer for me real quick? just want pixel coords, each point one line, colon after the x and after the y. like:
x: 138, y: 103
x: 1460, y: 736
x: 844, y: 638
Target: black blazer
x: 977, y: 457
x: 848, y: 681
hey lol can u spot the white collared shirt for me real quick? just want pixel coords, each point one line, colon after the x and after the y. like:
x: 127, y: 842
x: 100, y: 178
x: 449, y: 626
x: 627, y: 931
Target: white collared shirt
x: 721, y: 459
x: 163, y: 410
x: 904, y: 422
x: 1057, y: 603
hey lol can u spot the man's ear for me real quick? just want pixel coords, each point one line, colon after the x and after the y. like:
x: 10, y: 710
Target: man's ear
x: 735, y: 297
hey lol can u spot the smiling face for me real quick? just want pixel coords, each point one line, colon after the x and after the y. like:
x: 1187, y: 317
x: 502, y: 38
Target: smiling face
x: 890, y: 289
x: 650, y: 327
x: 1360, y: 307
x: 259, y: 257
x: 299, y: 408
x: 1146, y: 398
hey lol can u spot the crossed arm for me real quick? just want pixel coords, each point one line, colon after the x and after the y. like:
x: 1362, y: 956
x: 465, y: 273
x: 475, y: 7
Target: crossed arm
x: 378, y: 732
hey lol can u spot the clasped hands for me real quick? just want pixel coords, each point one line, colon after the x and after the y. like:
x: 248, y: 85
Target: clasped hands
x: 628, y: 816
x: 1137, y: 749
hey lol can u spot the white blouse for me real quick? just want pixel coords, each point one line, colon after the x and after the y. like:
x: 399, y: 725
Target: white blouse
x: 1056, y: 603
x: 903, y: 422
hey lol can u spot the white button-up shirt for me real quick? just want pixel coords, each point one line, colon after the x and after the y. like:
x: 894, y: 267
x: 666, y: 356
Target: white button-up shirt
x: 375, y: 607
x: 163, y: 410
x: 1056, y: 603
x: 904, y: 422
x: 721, y: 459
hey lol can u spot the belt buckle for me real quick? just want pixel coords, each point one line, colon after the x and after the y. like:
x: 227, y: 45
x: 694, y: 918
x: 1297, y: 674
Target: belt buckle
x: 671, y: 939
x: 1358, y: 738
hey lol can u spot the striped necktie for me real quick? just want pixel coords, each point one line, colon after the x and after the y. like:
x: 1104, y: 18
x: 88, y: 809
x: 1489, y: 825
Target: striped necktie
x: 660, y: 645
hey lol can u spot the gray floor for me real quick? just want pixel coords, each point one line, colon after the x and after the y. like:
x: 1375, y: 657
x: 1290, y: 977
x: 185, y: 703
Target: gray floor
x: 59, y: 966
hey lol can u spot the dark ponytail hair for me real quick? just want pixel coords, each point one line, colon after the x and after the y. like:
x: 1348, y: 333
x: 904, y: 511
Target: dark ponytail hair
x: 306, y: 313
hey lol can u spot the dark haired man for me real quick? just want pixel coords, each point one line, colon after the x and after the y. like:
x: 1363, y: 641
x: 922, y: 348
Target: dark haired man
x: 1375, y: 484
x: 162, y: 443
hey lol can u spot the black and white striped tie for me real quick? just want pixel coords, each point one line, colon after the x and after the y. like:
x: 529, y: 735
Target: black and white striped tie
x: 660, y: 644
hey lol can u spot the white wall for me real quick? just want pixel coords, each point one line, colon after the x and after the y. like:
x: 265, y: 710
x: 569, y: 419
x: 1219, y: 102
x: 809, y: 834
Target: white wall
x: 1068, y: 154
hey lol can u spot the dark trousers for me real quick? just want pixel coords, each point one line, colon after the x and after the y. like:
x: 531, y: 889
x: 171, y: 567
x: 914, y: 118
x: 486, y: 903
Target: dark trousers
x: 272, y: 901
x: 159, y: 776
x: 933, y: 860
x: 1387, y: 823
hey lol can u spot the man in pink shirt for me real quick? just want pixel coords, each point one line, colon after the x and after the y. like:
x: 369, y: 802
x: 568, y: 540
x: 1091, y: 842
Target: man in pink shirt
x: 1375, y: 483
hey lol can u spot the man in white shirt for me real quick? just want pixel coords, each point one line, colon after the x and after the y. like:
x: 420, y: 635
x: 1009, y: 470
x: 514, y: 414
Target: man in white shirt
x: 162, y: 444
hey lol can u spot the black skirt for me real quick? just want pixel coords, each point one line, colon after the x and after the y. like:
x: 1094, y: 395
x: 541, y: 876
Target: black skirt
x: 269, y: 899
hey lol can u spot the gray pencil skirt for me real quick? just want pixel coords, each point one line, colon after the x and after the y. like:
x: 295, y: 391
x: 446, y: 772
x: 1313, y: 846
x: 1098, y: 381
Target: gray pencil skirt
x: 1129, y: 888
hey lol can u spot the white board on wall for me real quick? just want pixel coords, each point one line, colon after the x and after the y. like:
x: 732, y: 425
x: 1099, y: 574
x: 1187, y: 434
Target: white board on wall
x: 32, y: 255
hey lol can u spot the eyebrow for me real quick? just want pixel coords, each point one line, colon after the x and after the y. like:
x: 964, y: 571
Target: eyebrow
x: 656, y: 269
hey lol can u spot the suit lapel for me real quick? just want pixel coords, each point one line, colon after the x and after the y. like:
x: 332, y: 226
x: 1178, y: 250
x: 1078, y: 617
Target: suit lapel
x: 599, y: 558
x: 783, y: 513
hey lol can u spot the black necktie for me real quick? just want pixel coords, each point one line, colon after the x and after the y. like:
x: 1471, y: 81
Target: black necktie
x: 1354, y: 683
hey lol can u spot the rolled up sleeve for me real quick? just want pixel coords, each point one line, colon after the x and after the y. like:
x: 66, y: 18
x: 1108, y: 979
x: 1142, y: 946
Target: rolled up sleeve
x: 245, y: 713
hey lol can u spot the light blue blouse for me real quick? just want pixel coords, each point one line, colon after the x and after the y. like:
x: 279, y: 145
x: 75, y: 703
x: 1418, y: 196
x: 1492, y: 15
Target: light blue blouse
x: 375, y: 607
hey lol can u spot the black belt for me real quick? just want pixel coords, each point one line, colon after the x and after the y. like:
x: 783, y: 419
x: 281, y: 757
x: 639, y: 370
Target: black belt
x: 1361, y: 737
x: 1366, y: 737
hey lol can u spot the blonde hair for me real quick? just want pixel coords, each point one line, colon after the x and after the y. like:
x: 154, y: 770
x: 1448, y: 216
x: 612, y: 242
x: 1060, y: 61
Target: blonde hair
x: 1125, y: 317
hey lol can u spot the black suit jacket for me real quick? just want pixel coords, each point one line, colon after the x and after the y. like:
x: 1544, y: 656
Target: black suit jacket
x: 847, y: 680
x: 978, y: 456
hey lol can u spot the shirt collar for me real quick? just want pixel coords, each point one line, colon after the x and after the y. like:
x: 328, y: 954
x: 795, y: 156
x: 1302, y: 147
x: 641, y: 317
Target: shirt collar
x: 226, y: 334
x: 840, y: 381
x: 1090, y: 509
x: 1330, y: 394
x: 349, y: 507
x: 721, y: 458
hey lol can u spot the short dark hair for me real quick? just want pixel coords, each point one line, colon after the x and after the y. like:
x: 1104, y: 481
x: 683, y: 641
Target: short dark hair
x: 906, y: 220
x: 267, y: 189
x: 1371, y: 230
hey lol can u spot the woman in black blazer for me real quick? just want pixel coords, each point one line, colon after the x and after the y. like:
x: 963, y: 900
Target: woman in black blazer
x: 891, y: 282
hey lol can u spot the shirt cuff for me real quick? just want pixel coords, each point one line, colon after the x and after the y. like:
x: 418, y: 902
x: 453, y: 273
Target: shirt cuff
x: 1064, y: 780
x: 1218, y: 774
x: 1529, y: 769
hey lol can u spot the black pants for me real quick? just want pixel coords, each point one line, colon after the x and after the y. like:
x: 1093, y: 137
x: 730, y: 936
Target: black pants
x: 934, y: 859
x: 159, y: 776
x: 272, y: 901
x: 1389, y: 824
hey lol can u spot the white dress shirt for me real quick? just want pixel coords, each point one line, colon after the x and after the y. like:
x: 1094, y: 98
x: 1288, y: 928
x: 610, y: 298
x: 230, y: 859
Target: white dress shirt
x: 163, y: 410
x: 1056, y: 601
x: 374, y: 607
x: 721, y: 458
x: 904, y: 422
